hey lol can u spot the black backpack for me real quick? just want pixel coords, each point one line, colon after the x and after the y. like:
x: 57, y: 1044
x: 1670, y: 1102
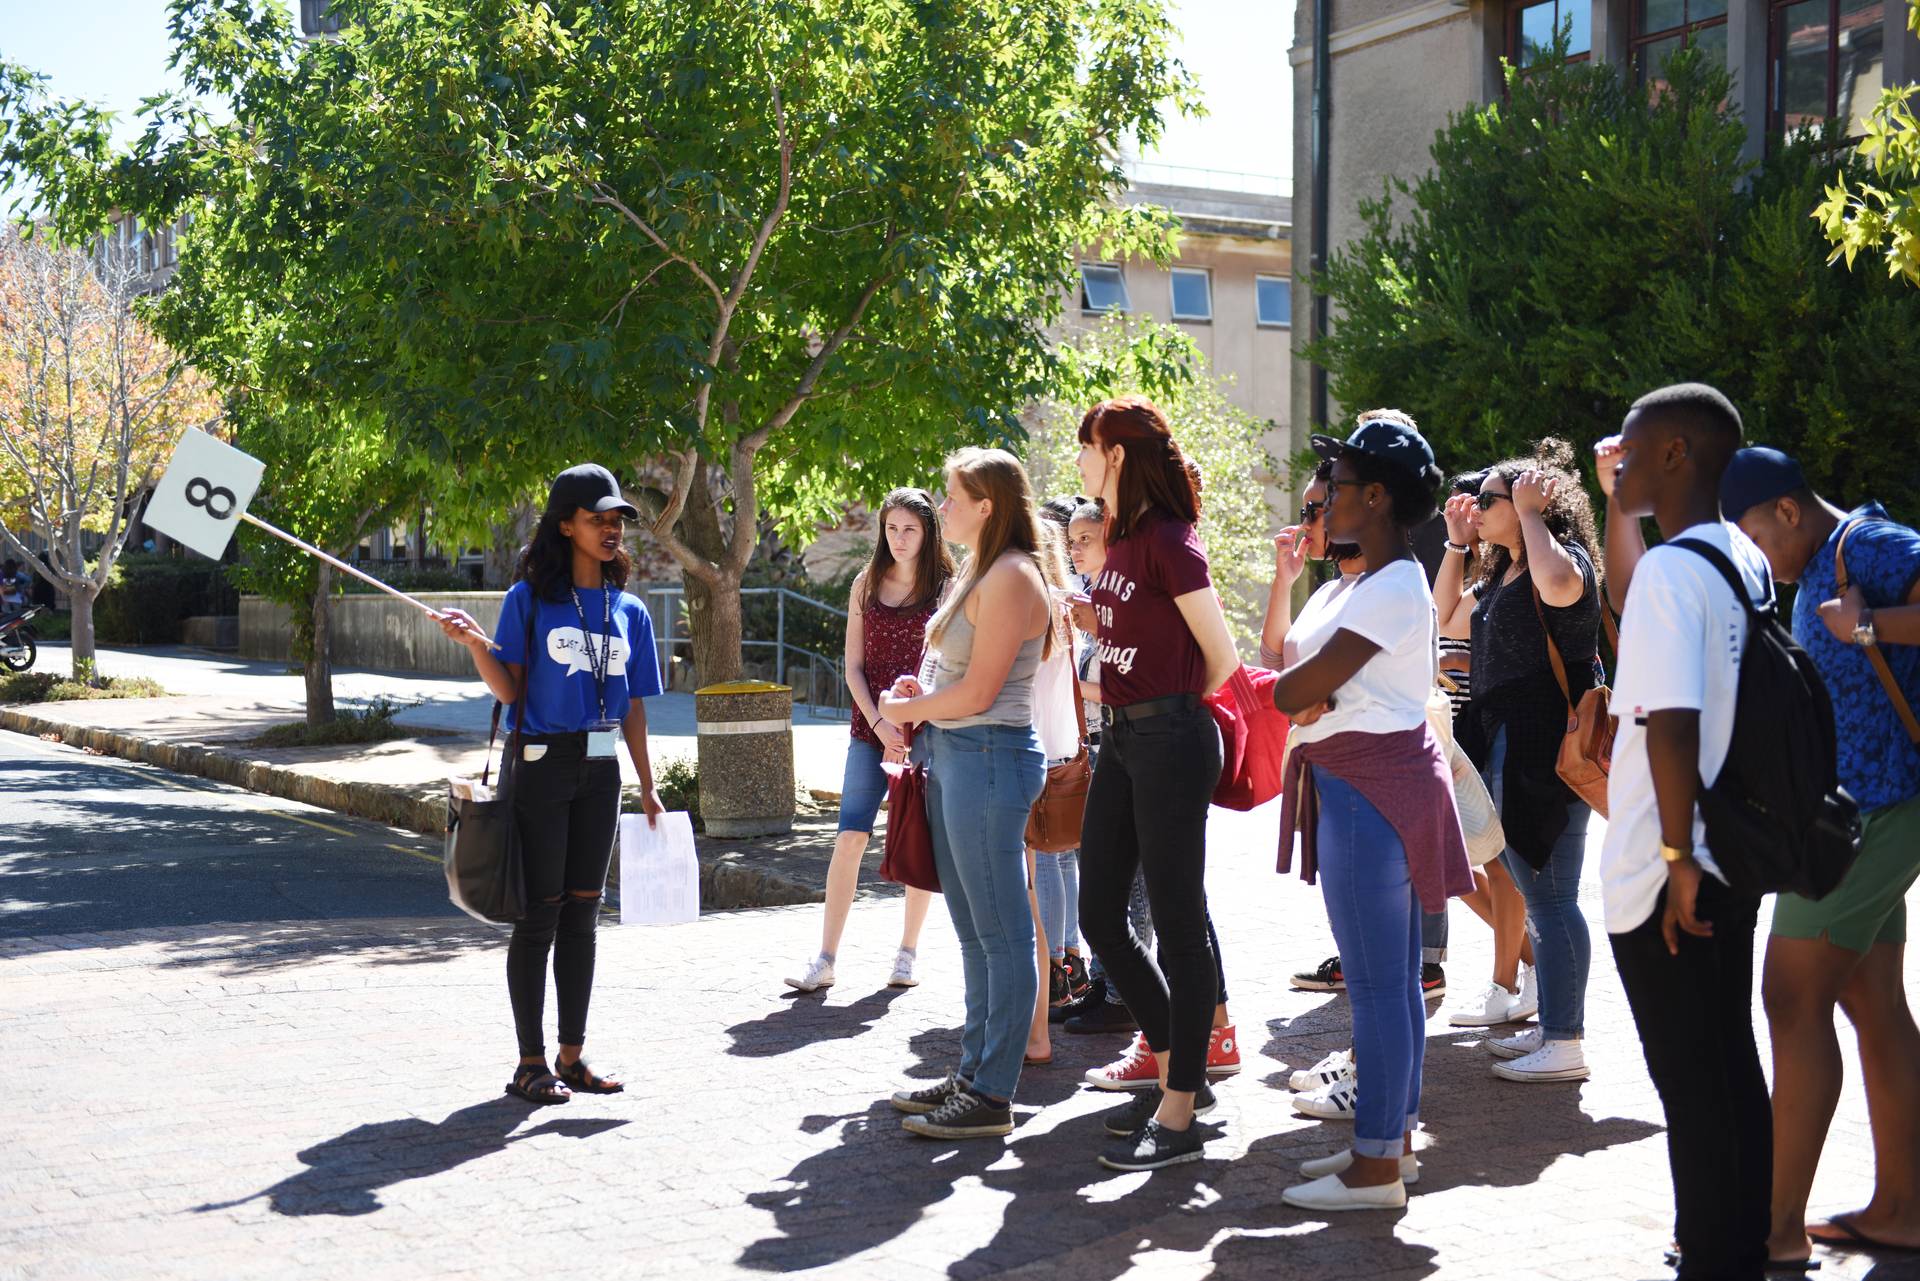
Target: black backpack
x: 1777, y: 818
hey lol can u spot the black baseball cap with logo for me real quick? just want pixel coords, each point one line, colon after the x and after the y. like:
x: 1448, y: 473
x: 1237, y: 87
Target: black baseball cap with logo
x: 1385, y: 439
x: 590, y: 487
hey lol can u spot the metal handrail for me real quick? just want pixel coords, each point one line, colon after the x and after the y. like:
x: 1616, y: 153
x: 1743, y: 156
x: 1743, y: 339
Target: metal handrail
x: 840, y: 703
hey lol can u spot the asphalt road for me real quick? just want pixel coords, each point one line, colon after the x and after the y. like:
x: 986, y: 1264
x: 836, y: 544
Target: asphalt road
x: 90, y: 844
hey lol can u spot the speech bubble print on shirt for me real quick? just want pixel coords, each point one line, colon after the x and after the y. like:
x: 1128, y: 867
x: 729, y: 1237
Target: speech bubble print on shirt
x: 568, y: 647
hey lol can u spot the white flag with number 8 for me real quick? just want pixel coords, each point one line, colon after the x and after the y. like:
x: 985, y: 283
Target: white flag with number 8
x: 199, y: 500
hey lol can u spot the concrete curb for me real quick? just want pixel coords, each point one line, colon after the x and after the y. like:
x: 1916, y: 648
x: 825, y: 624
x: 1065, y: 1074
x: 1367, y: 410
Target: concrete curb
x: 724, y: 885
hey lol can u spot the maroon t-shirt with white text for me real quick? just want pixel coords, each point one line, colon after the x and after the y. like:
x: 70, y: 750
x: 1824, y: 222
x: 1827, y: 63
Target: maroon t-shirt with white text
x: 1146, y: 648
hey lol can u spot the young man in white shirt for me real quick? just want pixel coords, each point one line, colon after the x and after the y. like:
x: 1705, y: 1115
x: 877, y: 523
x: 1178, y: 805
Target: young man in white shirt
x: 1683, y: 940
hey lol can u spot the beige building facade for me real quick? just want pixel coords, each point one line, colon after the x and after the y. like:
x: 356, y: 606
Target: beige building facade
x: 1397, y: 68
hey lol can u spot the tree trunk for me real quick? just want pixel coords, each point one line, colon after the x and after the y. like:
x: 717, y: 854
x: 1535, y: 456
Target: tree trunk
x: 85, y: 656
x: 319, y: 663
x: 713, y: 619
x: 417, y: 542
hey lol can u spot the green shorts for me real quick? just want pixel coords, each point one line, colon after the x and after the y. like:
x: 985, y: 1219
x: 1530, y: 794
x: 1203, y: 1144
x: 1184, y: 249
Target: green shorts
x: 1869, y: 906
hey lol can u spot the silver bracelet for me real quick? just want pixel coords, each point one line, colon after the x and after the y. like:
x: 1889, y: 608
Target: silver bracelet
x: 1456, y: 547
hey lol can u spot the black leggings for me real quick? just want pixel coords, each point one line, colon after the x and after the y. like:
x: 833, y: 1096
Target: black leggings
x: 568, y: 811
x: 1147, y: 811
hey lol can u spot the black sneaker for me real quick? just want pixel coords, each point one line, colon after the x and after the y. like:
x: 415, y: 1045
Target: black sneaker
x: 1326, y: 978
x: 1096, y: 992
x: 965, y: 1115
x: 1153, y: 1147
x: 1077, y: 981
x: 1101, y: 1016
x: 1058, y: 992
x: 928, y: 1098
x: 1433, y: 981
x: 1128, y: 1119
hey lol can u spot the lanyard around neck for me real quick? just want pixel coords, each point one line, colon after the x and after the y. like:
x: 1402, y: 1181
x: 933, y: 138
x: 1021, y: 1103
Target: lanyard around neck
x: 600, y: 660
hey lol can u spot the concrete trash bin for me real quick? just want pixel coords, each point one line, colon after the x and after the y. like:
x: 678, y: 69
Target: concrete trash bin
x: 746, y: 757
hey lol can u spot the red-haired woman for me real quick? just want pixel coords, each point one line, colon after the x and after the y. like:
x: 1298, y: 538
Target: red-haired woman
x: 1164, y: 646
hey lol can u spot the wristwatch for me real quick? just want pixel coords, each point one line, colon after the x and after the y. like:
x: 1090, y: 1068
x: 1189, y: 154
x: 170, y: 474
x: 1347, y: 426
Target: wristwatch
x: 1863, y: 630
x: 1675, y: 853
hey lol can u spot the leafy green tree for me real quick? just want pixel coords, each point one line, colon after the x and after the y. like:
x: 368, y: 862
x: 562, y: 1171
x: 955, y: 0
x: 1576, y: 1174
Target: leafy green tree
x: 1881, y: 214
x: 1579, y: 244
x: 1120, y: 356
x: 763, y: 258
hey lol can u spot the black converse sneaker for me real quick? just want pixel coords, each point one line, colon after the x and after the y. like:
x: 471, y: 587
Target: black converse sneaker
x: 928, y: 1097
x: 965, y: 1115
x: 1122, y: 1121
x: 1154, y: 1147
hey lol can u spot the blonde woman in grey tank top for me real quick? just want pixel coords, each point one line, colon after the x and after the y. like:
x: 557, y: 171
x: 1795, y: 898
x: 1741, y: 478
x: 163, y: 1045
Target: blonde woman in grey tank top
x: 985, y: 771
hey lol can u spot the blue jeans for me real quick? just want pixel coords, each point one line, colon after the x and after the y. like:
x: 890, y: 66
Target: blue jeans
x: 862, y: 787
x: 981, y: 783
x: 1376, y: 923
x: 1562, y: 944
x: 1056, y: 882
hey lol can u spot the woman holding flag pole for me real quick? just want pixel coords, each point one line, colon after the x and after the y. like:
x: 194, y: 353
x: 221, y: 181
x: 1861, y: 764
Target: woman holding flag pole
x: 573, y: 656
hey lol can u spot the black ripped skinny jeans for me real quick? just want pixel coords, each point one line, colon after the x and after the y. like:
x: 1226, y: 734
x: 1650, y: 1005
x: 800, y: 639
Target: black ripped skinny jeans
x: 568, y: 811
x: 1147, y: 810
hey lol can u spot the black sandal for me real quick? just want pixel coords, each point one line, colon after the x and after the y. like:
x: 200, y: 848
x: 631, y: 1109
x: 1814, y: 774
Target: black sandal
x: 532, y: 1082
x: 583, y: 1080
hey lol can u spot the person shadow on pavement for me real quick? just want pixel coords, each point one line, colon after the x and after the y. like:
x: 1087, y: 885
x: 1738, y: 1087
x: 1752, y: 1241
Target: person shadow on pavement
x: 805, y: 1018
x: 344, y: 1174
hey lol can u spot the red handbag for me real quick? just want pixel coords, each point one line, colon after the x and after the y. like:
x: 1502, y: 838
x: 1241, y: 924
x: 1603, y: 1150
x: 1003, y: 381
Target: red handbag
x: 1253, y: 738
x: 907, y: 857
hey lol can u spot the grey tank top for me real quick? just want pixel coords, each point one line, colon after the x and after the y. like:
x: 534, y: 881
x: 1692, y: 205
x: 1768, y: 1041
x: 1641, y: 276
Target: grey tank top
x: 1014, y: 704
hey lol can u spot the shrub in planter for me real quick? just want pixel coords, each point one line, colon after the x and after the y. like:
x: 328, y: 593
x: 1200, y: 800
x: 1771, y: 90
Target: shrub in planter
x: 147, y: 596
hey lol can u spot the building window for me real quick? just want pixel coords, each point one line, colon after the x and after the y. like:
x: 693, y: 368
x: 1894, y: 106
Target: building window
x: 1192, y: 294
x: 1662, y: 27
x: 1273, y: 301
x: 1103, y: 288
x: 1826, y: 61
x: 1531, y: 29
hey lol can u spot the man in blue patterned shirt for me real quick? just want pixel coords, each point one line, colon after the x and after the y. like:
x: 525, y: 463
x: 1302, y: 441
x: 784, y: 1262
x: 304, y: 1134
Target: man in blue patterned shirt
x: 1846, y: 948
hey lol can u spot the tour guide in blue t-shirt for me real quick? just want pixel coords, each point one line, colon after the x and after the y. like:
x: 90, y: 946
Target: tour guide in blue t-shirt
x: 588, y: 660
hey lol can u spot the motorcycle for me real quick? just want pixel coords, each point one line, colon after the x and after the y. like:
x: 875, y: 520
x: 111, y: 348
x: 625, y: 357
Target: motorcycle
x: 17, y: 647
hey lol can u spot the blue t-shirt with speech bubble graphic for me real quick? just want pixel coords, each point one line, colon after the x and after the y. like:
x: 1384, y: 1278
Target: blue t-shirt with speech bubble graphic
x: 561, y: 694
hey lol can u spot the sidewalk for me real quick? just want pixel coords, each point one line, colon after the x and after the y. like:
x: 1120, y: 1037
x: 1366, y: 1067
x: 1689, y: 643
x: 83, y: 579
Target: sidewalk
x: 217, y: 704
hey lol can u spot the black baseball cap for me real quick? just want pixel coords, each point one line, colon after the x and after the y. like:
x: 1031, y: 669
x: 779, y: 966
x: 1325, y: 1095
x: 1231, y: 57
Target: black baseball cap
x: 589, y: 486
x: 1757, y: 475
x: 1389, y: 441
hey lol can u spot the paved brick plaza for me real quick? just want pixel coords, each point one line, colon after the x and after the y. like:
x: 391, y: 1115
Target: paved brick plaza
x: 323, y: 1100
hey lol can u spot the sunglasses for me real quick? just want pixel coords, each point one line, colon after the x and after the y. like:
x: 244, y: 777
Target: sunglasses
x: 1310, y: 512
x: 1485, y: 500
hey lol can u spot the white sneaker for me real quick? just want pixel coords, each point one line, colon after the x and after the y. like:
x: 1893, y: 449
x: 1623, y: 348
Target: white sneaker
x: 902, y: 969
x: 1493, y: 1005
x: 1513, y: 1047
x: 1330, y: 1193
x: 1528, y: 1003
x: 1337, y: 1066
x: 818, y: 974
x: 1333, y: 1102
x: 1553, y: 1061
x: 1339, y: 1162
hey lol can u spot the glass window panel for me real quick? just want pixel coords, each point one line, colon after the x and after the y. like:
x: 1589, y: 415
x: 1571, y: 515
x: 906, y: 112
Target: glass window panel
x: 1712, y: 44
x: 1102, y: 288
x: 1581, y: 14
x: 1702, y: 10
x: 1536, y: 32
x: 1273, y: 300
x: 1800, y: 66
x: 1658, y: 15
x: 1650, y: 61
x: 1862, y: 61
x: 1192, y: 294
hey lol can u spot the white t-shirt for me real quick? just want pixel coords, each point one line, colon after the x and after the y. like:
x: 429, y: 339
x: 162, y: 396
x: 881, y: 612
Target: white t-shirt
x: 1681, y: 637
x: 1394, y: 609
x: 1323, y: 595
x: 1056, y: 711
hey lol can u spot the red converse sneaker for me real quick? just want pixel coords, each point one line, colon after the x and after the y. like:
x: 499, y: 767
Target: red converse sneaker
x: 1223, y: 1052
x: 1137, y: 1069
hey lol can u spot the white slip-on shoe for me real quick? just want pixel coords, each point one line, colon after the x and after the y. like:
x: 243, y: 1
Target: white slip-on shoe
x: 1513, y: 1047
x: 1494, y: 1004
x: 1553, y: 1061
x: 1334, y: 1102
x: 1527, y: 1004
x: 818, y: 974
x: 1340, y: 1162
x: 1337, y: 1066
x: 1329, y: 1193
x: 903, y: 969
